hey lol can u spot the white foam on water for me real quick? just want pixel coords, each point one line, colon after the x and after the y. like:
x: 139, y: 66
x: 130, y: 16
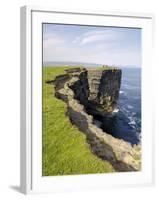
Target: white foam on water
x: 132, y: 121
x: 130, y: 107
x: 116, y: 110
x: 121, y: 92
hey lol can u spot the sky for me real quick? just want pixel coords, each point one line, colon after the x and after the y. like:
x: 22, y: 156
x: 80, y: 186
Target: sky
x: 92, y: 44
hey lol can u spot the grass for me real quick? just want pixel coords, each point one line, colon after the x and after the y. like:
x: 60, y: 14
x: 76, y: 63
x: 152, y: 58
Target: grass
x: 65, y: 150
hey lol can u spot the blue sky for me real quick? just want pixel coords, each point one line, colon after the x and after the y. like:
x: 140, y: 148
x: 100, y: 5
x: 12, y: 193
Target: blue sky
x: 103, y: 45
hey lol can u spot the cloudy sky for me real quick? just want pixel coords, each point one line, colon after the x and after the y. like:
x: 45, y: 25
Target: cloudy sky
x: 103, y: 45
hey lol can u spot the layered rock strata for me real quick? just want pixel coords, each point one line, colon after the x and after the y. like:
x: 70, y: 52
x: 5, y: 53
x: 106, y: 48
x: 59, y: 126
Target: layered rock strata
x: 121, y: 154
x: 98, y: 90
x: 104, y: 86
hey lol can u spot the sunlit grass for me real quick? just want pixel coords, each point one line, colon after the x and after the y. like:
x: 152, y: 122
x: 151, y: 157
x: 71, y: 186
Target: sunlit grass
x: 65, y: 150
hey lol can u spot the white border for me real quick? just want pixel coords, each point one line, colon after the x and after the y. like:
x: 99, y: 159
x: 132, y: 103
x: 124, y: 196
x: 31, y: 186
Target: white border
x: 31, y: 118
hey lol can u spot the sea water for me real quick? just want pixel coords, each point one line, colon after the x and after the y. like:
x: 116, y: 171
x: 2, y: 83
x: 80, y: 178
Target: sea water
x: 125, y: 121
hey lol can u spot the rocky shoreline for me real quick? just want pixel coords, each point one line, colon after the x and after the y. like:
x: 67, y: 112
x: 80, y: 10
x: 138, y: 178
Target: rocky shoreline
x: 68, y: 87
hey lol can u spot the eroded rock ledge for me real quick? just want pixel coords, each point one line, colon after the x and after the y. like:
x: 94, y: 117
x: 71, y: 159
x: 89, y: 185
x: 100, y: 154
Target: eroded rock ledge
x: 121, y: 154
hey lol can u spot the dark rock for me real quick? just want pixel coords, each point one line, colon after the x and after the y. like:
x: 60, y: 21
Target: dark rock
x: 98, y: 90
x: 104, y: 86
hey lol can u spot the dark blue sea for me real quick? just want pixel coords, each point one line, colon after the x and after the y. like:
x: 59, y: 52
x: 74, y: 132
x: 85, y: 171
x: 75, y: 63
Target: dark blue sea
x: 125, y: 123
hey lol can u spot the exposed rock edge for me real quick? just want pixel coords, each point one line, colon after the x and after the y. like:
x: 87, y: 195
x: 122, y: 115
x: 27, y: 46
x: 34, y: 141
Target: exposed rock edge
x: 121, y: 154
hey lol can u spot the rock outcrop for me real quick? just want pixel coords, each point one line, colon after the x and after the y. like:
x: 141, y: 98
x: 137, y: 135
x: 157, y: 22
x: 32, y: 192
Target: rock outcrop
x: 98, y: 90
x: 73, y: 88
x: 104, y: 86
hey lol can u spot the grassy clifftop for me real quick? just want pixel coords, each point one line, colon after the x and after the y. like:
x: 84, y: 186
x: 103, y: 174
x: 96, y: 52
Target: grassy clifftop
x: 65, y: 150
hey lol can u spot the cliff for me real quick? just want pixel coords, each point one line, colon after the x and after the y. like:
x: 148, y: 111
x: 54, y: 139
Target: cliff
x: 98, y: 90
x: 81, y: 89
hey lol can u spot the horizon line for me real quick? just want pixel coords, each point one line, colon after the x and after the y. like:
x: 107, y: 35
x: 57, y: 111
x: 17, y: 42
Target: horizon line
x: 80, y: 62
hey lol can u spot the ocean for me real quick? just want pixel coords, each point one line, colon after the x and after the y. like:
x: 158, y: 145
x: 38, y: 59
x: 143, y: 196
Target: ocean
x: 125, y: 123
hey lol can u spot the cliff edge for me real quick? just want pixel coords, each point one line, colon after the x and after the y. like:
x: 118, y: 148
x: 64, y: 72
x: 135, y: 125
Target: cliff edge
x: 97, y: 90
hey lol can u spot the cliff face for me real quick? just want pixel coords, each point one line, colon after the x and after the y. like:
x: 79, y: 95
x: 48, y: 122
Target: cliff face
x: 98, y: 90
x: 77, y: 89
x: 104, y: 86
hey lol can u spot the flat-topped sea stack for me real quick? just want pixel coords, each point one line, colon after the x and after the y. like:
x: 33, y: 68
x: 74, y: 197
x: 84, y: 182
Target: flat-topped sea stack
x: 104, y: 86
x: 98, y: 89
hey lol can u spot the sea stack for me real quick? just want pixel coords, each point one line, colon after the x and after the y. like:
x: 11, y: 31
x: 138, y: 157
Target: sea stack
x: 98, y: 89
x: 104, y: 87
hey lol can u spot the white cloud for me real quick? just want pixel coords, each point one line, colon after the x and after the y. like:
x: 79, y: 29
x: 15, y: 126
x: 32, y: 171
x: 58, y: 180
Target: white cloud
x: 96, y: 36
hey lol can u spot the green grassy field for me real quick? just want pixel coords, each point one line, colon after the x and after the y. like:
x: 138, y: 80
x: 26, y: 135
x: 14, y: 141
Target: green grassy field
x: 65, y: 150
